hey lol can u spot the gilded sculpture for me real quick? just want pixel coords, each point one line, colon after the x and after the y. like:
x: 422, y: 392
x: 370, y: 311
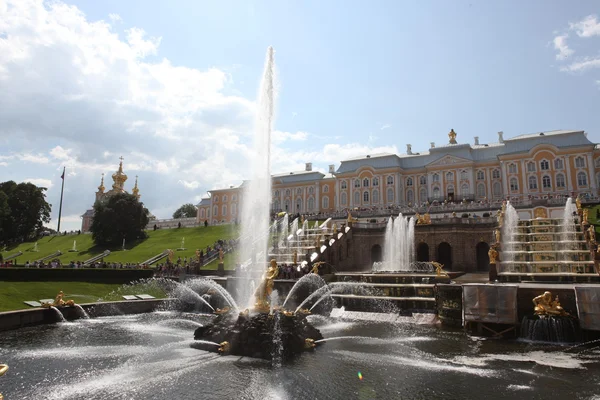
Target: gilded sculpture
x: 295, y: 257
x: 592, y: 233
x: 59, y: 302
x: 3, y: 369
x: 439, y: 269
x: 585, y: 216
x: 493, y: 254
x: 424, y: 219
x: 452, y: 137
x: 497, y: 235
x: 264, y: 290
x: 545, y: 306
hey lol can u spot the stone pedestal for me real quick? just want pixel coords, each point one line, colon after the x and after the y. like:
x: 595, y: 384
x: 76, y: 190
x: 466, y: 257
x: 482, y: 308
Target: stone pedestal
x: 221, y: 269
x: 493, y: 273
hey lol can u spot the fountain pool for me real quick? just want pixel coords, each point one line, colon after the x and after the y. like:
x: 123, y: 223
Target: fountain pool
x: 152, y: 356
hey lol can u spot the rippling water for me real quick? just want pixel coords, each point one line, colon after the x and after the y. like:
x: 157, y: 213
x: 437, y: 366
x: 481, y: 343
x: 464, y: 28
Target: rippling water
x: 151, y: 356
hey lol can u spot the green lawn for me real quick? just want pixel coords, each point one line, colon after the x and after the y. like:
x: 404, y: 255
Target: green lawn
x: 593, y: 219
x: 12, y: 294
x: 157, y: 242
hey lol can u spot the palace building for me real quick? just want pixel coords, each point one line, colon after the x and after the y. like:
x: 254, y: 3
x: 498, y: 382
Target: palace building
x: 534, y: 166
x: 118, y: 186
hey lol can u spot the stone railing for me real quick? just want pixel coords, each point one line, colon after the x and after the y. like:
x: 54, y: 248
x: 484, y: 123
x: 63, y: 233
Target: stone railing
x: 172, y: 223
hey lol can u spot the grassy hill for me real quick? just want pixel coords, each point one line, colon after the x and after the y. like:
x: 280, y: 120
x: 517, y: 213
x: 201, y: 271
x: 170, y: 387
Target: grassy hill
x: 157, y: 242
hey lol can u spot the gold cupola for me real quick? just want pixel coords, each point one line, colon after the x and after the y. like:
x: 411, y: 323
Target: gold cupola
x: 452, y: 137
x: 101, y: 187
x: 136, y: 190
x: 119, y: 178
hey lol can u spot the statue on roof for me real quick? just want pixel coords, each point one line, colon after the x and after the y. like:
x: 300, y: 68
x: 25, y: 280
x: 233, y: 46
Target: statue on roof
x: 452, y: 136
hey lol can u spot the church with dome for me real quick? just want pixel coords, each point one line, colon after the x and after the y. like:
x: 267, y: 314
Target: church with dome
x: 119, y: 179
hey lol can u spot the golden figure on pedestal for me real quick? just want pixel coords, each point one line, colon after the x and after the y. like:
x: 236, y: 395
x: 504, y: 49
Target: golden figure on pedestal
x: 424, y: 219
x: 439, y: 269
x: 59, y: 302
x: 497, y: 235
x: 592, y: 234
x: 264, y: 290
x: 545, y: 306
x: 493, y: 254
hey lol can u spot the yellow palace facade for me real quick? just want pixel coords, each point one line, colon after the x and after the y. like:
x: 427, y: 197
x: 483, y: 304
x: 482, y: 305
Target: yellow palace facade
x: 532, y: 166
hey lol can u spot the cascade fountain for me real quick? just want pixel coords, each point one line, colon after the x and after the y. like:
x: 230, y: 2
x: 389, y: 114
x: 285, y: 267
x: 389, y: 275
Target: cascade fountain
x: 398, y: 245
x: 509, y: 232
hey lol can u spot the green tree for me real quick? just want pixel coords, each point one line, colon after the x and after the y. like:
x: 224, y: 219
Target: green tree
x: 185, y: 211
x: 23, y: 211
x: 120, y: 217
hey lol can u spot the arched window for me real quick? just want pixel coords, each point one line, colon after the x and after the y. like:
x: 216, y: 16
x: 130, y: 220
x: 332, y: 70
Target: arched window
x: 546, y: 182
x: 423, y: 195
x: 375, y: 181
x: 202, y: 213
x: 409, y: 182
x: 356, y: 198
x: 514, y: 184
x: 365, y: 196
x: 560, y: 181
x: 276, y: 195
x: 409, y: 196
x: 344, y: 185
x: 423, y: 180
x: 582, y: 179
x: 390, y: 180
x: 390, y: 195
x: 496, y: 174
x: 464, y: 191
x: 375, y: 196
x: 480, y: 175
x: 544, y: 165
x: 530, y: 166
x: 215, y: 199
x: 558, y: 163
x: 532, y: 183
x: 224, y: 198
x: 343, y: 198
x: 356, y: 183
x: 311, y: 190
x: 512, y: 168
x: 450, y: 176
x: 311, y: 204
x: 276, y: 207
x: 497, y: 190
x: 325, y: 202
x: 224, y: 210
x: 298, y: 204
x: 463, y: 175
x: 436, y: 193
x: 287, y: 205
x: 234, y: 197
x: 325, y: 189
x: 481, y: 190
x: 215, y: 211
x: 234, y: 208
x: 366, y: 182
x: 299, y: 191
x: 288, y: 192
x: 579, y: 162
x: 435, y: 178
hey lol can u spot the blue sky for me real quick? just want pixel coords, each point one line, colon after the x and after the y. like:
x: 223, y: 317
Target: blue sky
x: 355, y: 78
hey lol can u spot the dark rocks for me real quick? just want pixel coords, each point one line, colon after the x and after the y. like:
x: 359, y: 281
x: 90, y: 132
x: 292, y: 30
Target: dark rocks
x: 274, y: 336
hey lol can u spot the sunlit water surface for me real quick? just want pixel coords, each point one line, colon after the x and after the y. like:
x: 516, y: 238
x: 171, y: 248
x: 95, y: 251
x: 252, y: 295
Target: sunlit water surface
x: 151, y: 356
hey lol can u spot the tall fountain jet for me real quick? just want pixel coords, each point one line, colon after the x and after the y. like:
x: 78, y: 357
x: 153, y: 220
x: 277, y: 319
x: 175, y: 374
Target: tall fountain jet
x: 256, y: 200
x: 398, y: 245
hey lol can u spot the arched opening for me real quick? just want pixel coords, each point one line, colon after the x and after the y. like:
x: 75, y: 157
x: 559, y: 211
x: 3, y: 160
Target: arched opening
x: 444, y: 255
x: 483, y: 259
x: 376, y: 254
x: 423, y: 252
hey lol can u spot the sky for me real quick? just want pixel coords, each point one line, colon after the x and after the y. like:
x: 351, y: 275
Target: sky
x: 171, y: 86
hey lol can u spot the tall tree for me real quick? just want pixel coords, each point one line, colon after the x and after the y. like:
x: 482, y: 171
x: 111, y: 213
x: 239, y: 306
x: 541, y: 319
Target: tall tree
x: 185, y: 211
x: 23, y: 211
x: 120, y: 217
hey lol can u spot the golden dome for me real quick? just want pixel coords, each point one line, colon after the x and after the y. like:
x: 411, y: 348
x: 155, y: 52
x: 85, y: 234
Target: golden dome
x: 101, y: 187
x: 119, y: 177
x: 136, y: 190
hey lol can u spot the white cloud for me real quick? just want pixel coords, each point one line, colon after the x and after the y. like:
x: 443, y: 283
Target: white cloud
x: 3, y: 164
x: 60, y: 153
x: 190, y: 185
x: 560, y: 44
x: 41, y: 182
x: 385, y: 126
x: 278, y: 137
x: 582, y: 65
x: 587, y: 27
x: 34, y: 158
x: 115, y: 18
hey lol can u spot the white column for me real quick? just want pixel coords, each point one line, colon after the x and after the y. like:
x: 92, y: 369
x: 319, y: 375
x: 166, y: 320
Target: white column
x: 487, y: 174
x: 592, y: 177
x: 304, y: 206
x: 281, y: 193
x: 525, y: 183
x: 337, y: 189
x: 567, y: 164
x: 504, y: 179
x: 318, y: 205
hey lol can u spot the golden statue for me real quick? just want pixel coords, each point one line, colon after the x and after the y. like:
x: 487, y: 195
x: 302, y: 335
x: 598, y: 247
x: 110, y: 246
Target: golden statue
x: 578, y: 203
x: 288, y: 313
x: 59, y: 302
x: 427, y: 218
x: 493, y: 254
x: 315, y: 268
x: 224, y: 347
x: 500, y: 218
x: 221, y: 255
x: 309, y: 343
x: 418, y: 218
x: 264, y: 290
x: 335, y: 228
x: 545, y: 306
x: 497, y: 235
x: 224, y: 310
x: 452, y: 137
x: 585, y: 216
x: 318, y: 242
x: 3, y: 369
x: 439, y: 269
x: 592, y: 233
